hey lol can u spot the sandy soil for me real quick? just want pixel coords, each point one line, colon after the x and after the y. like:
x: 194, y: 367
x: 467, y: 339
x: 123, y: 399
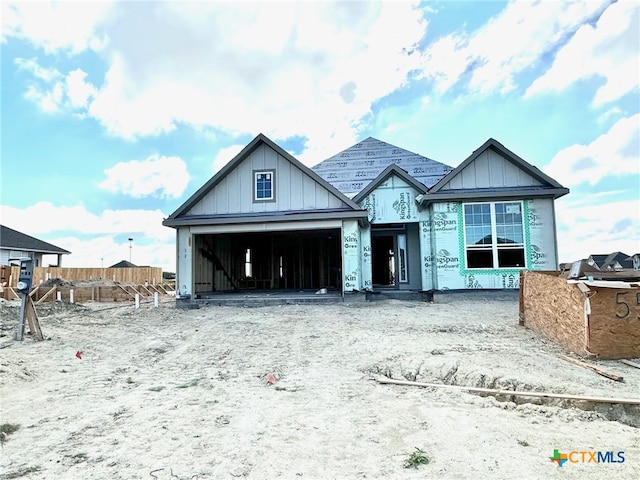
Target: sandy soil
x: 184, y: 394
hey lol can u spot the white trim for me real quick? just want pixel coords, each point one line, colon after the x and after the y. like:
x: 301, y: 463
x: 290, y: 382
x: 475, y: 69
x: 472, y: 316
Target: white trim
x: 266, y: 227
x: 494, y: 235
x: 272, y: 181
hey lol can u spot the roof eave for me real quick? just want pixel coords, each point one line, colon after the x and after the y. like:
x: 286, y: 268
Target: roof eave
x: 453, y: 195
x: 213, y: 220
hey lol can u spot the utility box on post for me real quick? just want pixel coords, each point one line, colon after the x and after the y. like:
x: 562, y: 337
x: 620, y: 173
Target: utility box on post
x: 27, y: 308
x: 26, y: 275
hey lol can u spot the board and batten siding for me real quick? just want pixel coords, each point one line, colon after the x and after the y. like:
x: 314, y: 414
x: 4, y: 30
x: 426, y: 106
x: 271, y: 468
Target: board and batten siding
x: 490, y: 170
x: 293, y: 189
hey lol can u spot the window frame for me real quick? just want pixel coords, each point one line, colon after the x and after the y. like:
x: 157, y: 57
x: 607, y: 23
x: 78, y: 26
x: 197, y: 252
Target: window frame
x: 272, y: 198
x: 494, y: 247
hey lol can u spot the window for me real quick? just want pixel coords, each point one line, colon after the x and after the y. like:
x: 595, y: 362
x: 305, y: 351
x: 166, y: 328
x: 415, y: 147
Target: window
x: 494, y: 236
x: 263, y: 187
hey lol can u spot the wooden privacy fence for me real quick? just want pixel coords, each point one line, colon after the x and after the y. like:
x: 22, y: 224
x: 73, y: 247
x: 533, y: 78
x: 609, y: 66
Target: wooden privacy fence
x: 96, y: 293
x: 134, y: 275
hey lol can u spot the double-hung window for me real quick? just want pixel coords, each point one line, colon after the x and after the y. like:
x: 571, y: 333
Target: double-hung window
x: 494, y: 235
x: 263, y: 186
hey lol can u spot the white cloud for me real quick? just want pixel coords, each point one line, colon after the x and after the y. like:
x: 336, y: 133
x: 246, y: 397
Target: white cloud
x: 158, y: 176
x: 90, y: 236
x: 55, y: 92
x: 616, y: 152
x: 586, y: 227
x: 282, y: 68
x: 104, y: 251
x: 225, y: 155
x: 510, y: 43
x: 54, y: 26
x: 608, y: 50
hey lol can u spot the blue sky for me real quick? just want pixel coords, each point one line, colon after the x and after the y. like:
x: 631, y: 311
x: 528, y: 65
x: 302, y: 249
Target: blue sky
x: 114, y: 113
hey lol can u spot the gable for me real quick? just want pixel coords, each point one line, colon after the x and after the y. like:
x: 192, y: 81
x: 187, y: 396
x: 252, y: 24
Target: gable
x: 490, y: 169
x: 493, y: 171
x: 294, y: 189
x: 232, y: 191
x: 391, y: 201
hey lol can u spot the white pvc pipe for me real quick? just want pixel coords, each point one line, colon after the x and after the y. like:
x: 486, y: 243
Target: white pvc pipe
x: 71, y: 296
x: 137, y: 300
x: 155, y: 298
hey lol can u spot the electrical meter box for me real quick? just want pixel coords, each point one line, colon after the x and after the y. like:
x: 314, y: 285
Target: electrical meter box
x: 26, y: 275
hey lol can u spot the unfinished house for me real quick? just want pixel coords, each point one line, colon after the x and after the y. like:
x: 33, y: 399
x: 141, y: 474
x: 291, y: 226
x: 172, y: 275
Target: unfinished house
x: 374, y: 217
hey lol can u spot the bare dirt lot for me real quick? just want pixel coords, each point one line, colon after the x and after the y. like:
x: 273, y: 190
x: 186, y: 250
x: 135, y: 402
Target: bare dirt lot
x: 166, y: 393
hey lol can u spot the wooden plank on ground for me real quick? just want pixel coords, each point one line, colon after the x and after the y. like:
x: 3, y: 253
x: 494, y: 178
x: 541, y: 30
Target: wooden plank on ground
x: 142, y: 287
x: 10, y: 289
x: 127, y: 291
x: 44, y: 297
x: 598, y: 370
x: 630, y: 363
x: 32, y: 319
x: 33, y: 292
x: 517, y: 393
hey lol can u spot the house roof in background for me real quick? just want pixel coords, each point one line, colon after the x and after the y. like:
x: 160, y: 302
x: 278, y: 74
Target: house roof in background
x: 123, y: 264
x: 11, y: 239
x: 351, y: 170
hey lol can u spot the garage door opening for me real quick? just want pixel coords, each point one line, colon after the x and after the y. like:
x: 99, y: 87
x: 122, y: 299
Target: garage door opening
x: 303, y: 260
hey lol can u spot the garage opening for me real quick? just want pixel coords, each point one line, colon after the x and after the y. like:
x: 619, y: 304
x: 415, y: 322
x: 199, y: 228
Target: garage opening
x: 302, y: 260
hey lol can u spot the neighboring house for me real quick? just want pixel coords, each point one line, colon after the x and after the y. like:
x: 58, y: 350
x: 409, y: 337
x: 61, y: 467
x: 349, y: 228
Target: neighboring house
x: 14, y: 244
x: 612, y: 261
x: 597, y: 260
x: 123, y: 264
x: 635, y: 261
x: 371, y: 217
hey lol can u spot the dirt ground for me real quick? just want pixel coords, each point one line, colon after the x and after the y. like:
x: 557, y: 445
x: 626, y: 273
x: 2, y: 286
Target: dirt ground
x: 186, y: 394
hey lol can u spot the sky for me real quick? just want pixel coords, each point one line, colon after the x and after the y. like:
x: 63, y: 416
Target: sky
x: 114, y: 113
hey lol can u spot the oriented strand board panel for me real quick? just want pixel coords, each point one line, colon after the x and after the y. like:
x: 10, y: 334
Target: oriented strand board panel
x: 614, y: 325
x: 555, y: 309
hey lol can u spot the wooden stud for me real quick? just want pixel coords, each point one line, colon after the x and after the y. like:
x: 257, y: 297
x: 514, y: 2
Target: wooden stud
x: 598, y: 370
x: 516, y: 393
x: 630, y: 363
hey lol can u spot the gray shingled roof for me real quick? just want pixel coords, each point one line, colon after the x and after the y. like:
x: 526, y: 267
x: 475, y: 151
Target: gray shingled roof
x: 354, y: 168
x: 15, y: 240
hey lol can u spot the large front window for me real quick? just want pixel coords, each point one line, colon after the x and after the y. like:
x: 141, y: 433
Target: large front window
x: 494, y: 235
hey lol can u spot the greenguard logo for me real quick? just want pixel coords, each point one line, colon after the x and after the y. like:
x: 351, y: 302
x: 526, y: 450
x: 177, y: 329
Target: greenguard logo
x: 534, y: 219
x: 402, y: 206
x: 444, y: 259
x: 537, y: 256
x: 441, y: 222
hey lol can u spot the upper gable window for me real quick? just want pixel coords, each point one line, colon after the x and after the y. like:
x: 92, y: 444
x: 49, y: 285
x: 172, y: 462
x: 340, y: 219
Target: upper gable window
x: 264, y: 185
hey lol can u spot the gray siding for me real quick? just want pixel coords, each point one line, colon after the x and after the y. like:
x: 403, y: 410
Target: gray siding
x: 294, y: 189
x: 413, y: 250
x: 490, y: 170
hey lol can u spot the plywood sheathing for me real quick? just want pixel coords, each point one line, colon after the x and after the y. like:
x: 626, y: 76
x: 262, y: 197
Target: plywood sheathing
x: 610, y: 335
x: 555, y: 309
